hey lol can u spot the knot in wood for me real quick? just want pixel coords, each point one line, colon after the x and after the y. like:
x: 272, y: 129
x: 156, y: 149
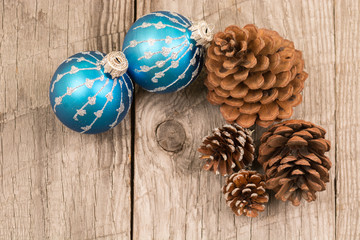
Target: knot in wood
x: 171, y: 136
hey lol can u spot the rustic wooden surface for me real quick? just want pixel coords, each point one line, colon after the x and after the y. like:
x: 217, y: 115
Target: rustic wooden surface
x: 56, y: 184
x: 143, y: 179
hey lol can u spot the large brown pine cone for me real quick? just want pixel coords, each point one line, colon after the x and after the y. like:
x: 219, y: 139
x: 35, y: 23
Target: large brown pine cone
x: 292, y: 154
x: 255, y: 75
x: 245, y: 193
x: 227, y: 149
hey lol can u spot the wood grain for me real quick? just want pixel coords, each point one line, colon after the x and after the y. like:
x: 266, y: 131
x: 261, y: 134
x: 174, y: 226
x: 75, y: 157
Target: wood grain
x: 183, y: 202
x: 55, y: 183
x: 310, y: 25
x: 347, y: 35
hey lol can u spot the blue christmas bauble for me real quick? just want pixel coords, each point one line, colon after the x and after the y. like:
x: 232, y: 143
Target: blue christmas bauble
x: 87, y: 99
x: 162, y: 51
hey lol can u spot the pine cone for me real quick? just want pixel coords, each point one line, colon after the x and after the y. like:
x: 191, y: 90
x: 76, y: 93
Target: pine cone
x: 228, y: 149
x: 255, y: 75
x: 292, y: 155
x: 245, y: 193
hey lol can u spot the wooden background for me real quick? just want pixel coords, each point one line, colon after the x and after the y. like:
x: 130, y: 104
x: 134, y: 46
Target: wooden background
x: 143, y: 179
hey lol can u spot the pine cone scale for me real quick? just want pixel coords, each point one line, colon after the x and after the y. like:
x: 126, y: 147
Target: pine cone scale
x: 260, y: 69
x: 293, y: 160
x: 227, y: 149
x: 245, y: 193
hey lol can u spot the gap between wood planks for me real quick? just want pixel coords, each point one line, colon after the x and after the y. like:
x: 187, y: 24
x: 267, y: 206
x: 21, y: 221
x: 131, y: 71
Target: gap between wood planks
x: 335, y: 119
x: 132, y: 149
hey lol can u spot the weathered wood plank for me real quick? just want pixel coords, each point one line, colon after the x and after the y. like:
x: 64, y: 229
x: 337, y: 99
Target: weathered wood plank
x: 55, y: 183
x: 173, y: 197
x: 310, y: 25
x: 347, y: 35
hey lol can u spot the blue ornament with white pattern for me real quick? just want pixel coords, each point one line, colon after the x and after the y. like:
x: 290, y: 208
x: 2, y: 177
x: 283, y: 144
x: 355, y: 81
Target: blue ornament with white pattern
x: 165, y: 51
x: 90, y: 92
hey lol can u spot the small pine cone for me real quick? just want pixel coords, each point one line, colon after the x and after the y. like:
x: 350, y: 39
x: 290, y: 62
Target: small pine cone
x: 227, y: 149
x: 292, y: 154
x: 255, y: 75
x: 245, y: 193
